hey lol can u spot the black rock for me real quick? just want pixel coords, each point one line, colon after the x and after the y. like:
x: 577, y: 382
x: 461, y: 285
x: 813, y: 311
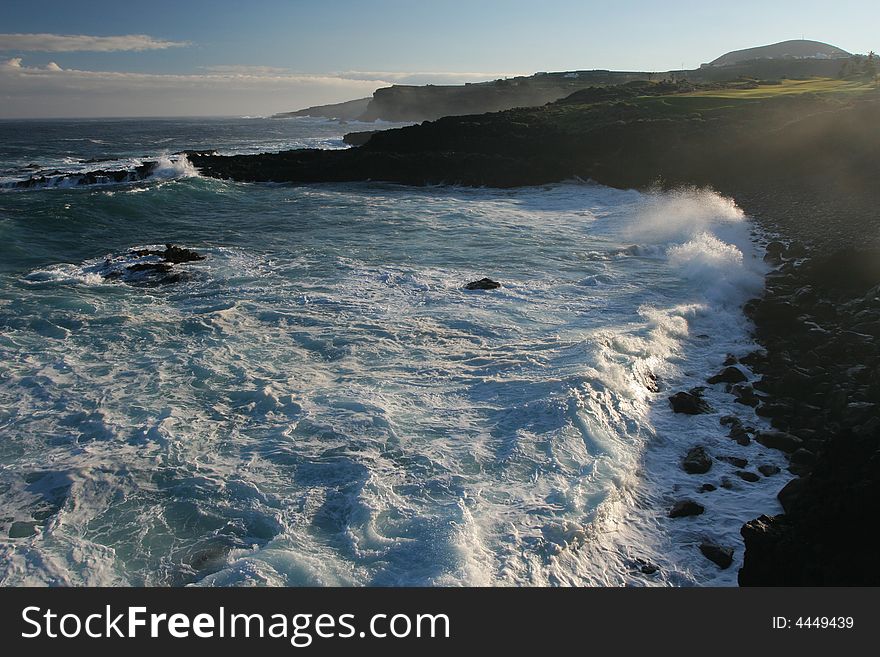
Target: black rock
x: 707, y: 488
x: 740, y: 435
x: 790, y: 493
x: 779, y: 440
x: 730, y: 420
x: 720, y: 556
x: 728, y: 375
x: 730, y: 360
x: 745, y: 395
x: 745, y: 475
x: 684, y: 508
x: 697, y: 461
x: 690, y: 403
x: 734, y: 460
x: 483, y: 284
x: 768, y: 470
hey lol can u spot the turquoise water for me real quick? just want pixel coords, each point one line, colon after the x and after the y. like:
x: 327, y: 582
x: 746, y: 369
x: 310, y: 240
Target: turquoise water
x: 320, y: 402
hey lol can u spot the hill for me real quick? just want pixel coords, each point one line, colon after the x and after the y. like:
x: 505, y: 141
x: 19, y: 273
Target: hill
x: 402, y: 103
x: 786, y: 50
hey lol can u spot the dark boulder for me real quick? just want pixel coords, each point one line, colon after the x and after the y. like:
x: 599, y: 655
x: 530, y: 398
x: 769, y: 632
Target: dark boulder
x: 684, y: 508
x: 690, y: 403
x: 740, y: 435
x: 697, y: 461
x: 768, y: 470
x: 483, y: 284
x: 780, y: 440
x: 791, y: 492
x: 745, y: 475
x: 720, y: 556
x: 728, y: 375
x: 708, y: 488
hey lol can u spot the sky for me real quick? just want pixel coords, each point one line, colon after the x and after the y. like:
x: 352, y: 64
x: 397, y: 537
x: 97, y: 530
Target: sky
x: 257, y: 57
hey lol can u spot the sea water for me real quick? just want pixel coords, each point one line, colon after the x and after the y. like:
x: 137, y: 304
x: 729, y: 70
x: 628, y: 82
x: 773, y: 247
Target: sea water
x: 321, y: 402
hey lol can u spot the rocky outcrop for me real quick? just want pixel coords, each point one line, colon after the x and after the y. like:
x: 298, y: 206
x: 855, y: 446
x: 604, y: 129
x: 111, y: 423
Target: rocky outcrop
x: 819, y: 322
x: 483, y: 284
x: 689, y: 403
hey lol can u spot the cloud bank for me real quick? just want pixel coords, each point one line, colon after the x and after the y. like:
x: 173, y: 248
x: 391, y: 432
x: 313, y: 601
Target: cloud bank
x: 53, y: 91
x: 84, y: 43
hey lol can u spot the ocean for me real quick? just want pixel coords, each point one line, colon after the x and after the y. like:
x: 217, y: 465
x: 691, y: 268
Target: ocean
x: 321, y: 402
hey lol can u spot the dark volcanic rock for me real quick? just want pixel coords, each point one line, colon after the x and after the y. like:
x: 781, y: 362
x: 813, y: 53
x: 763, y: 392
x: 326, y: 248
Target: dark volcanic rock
x: 791, y: 492
x: 720, y: 556
x: 745, y: 395
x: 745, y: 475
x: 483, y: 284
x: 707, y: 488
x: 734, y: 460
x: 780, y: 440
x: 728, y: 375
x: 740, y: 435
x: 697, y: 461
x: 684, y: 508
x: 768, y: 470
x: 690, y: 403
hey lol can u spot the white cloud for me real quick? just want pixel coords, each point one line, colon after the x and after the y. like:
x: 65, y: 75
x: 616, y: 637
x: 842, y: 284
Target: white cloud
x: 50, y: 91
x: 84, y: 42
x: 426, y: 77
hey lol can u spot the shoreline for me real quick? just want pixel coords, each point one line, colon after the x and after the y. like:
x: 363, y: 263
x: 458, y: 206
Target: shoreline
x: 805, y: 169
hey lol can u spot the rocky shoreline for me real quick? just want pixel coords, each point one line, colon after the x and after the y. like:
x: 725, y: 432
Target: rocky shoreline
x: 819, y: 324
x: 805, y: 168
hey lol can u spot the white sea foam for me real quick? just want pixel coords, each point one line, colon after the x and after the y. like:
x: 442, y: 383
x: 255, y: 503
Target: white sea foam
x: 326, y: 405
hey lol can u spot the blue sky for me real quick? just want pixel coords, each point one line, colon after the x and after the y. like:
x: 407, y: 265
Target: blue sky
x: 258, y: 57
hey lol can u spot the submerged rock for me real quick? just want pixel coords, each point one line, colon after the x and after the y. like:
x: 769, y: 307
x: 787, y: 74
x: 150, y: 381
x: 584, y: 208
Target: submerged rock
x: 720, y: 556
x: 684, y: 508
x: 483, y: 284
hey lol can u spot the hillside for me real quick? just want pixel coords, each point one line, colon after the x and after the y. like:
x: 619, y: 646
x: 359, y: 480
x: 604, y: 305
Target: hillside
x: 350, y: 110
x: 403, y: 103
x: 786, y: 50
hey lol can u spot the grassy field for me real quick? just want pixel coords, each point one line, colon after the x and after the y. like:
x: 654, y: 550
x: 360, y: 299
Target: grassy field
x: 813, y: 85
x: 715, y: 101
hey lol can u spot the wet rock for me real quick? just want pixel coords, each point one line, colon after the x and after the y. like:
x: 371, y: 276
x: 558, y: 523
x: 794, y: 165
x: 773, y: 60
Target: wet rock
x: 769, y: 470
x: 745, y: 475
x: 791, y: 492
x: 780, y: 440
x: 803, y: 457
x: 697, y: 461
x: 690, y: 403
x: 728, y: 375
x: 483, y: 284
x: 730, y: 420
x: 745, y: 394
x: 720, y: 556
x: 730, y: 360
x: 740, y: 435
x: 684, y: 508
x: 707, y: 488
x: 734, y: 460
